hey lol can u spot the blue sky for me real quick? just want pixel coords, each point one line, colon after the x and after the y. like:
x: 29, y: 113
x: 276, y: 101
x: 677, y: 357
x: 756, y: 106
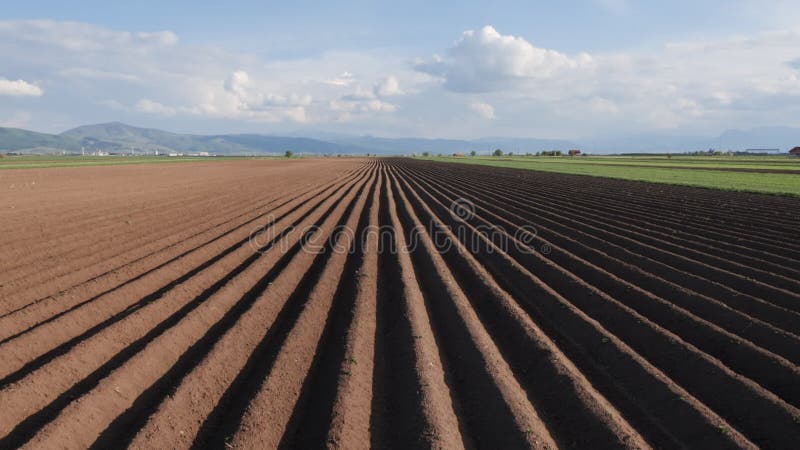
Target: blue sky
x: 447, y: 69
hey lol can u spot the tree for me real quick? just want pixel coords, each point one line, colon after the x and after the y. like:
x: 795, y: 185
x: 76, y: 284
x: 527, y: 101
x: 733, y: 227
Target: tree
x: 426, y: 154
x: 510, y: 153
x: 498, y: 152
x: 288, y: 154
x: 473, y: 153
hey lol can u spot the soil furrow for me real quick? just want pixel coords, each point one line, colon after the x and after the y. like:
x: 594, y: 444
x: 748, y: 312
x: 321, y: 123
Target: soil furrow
x: 721, y: 343
x: 457, y: 318
x: 680, y: 360
x: 156, y: 332
x: 659, y: 409
x: 198, y: 331
x: 393, y: 303
x: 19, y: 321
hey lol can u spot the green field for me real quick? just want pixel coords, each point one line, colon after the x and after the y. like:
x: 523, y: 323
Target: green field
x: 682, y: 170
x: 41, y: 162
x: 689, y: 162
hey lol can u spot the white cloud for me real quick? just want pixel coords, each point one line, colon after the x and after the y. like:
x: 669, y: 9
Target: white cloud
x: 485, y: 60
x: 723, y: 98
x: 83, y: 37
x: 364, y: 101
x: 360, y: 94
x: 153, y: 74
x: 484, y: 110
x: 19, y: 88
x: 344, y: 79
x: 388, y: 87
x: 603, y: 106
x: 698, y: 85
x: 93, y: 73
x: 96, y: 74
x: 238, y: 83
x: 245, y: 97
x: 112, y: 104
x: 148, y: 106
x: 359, y: 106
x: 689, y: 107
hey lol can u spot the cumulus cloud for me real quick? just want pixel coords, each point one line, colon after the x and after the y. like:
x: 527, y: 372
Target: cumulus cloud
x: 238, y: 96
x: 485, y: 60
x: 154, y: 74
x: 360, y: 102
x: 387, y: 87
x: 364, y: 101
x: 249, y: 97
x: 92, y: 73
x: 19, y: 88
x: 484, y: 110
x: 696, y: 84
x: 238, y: 83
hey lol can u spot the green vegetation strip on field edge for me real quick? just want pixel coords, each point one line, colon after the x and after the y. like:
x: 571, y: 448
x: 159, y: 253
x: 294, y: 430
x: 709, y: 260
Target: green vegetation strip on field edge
x: 769, y: 183
x: 766, y: 163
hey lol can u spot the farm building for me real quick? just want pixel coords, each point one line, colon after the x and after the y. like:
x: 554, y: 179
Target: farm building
x: 795, y: 151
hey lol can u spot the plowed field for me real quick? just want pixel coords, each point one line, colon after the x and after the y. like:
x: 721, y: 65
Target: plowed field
x: 392, y: 303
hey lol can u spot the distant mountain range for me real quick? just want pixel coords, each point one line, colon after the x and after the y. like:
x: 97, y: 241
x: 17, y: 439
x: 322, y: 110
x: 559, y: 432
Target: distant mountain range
x: 117, y: 137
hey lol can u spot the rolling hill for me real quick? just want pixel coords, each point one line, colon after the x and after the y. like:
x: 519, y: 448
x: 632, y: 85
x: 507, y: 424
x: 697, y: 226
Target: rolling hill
x: 121, y: 138
x: 147, y: 139
x: 15, y: 139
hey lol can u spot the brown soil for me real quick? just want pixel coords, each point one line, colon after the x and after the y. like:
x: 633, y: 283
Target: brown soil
x: 135, y: 310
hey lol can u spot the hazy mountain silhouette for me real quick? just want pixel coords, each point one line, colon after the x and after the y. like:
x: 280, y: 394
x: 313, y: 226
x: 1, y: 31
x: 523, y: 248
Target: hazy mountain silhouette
x: 119, y: 137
